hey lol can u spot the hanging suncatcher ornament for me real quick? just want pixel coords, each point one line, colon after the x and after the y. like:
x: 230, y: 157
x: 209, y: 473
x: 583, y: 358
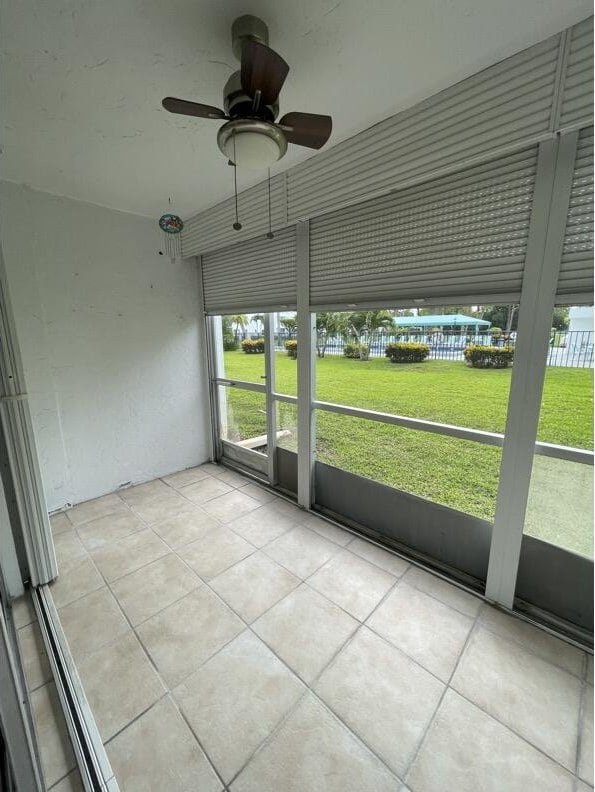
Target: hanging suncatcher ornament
x: 171, y: 225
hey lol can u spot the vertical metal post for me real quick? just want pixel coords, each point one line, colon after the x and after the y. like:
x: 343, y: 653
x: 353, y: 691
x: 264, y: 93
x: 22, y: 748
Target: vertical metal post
x: 271, y: 407
x: 218, y: 394
x: 542, y: 265
x: 21, y: 449
x: 306, y: 372
x: 207, y: 364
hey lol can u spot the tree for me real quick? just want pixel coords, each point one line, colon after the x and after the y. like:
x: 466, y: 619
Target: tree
x: 366, y: 325
x: 328, y: 324
x: 290, y: 324
x: 258, y: 320
x: 561, y: 318
x: 503, y: 316
x: 239, y: 322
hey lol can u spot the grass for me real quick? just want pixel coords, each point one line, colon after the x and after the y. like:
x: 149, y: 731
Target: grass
x: 457, y: 473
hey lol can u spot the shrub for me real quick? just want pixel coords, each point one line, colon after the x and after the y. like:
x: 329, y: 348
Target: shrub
x: 407, y: 352
x: 291, y: 347
x: 229, y: 343
x: 253, y: 346
x: 495, y: 332
x: 352, y: 350
x: 479, y: 356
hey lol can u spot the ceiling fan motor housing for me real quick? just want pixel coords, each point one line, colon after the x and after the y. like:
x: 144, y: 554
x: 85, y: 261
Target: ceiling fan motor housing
x: 238, y: 104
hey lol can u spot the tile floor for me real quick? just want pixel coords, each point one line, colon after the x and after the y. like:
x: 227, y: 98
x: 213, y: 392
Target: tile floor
x: 228, y: 640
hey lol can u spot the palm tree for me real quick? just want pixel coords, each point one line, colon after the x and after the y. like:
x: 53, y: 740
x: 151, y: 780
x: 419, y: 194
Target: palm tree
x: 238, y: 321
x: 366, y: 325
x: 328, y: 324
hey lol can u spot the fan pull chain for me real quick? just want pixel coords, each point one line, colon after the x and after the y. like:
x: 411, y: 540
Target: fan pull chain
x: 237, y: 225
x: 270, y: 234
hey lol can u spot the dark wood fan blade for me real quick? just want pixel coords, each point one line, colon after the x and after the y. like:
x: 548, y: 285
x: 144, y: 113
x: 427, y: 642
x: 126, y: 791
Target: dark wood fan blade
x: 192, y: 108
x: 262, y: 70
x: 307, y: 129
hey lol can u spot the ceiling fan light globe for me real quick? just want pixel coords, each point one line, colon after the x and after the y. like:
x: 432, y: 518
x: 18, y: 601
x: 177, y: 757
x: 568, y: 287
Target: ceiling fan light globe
x: 252, y: 144
x: 252, y: 150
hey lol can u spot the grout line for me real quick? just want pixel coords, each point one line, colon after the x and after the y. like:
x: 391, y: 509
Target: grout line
x: 441, y: 699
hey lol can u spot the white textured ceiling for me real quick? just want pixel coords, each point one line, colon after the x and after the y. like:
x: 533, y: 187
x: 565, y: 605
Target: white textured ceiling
x: 82, y: 81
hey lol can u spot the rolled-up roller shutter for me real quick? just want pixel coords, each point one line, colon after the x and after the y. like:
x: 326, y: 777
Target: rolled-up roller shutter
x: 576, y: 269
x: 256, y: 275
x: 460, y: 236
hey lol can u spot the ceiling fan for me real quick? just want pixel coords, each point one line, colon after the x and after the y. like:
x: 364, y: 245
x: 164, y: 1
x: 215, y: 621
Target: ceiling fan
x: 251, y: 137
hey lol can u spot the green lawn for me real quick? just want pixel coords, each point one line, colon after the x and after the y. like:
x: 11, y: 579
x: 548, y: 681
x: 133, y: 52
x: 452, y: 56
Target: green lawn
x: 457, y: 473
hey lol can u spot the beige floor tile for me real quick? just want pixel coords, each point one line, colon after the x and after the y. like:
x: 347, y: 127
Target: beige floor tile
x: 233, y: 479
x: 152, y: 588
x: 377, y: 555
x: 23, y: 611
x: 262, y: 525
x: 183, y: 636
x: 352, y: 583
x: 162, y: 507
x: 68, y: 548
x: 215, y: 552
x: 234, y: 701
x: 159, y: 752
x: 312, y: 751
x: 468, y: 751
x: 119, y: 683
x: 108, y: 529
x: 145, y: 493
x: 253, y: 585
x: 585, y: 764
x: 289, y: 509
x: 184, y: 477
x: 72, y: 783
x: 205, y: 490
x: 547, y: 646
x: 91, y: 510
x: 76, y: 578
x: 328, y: 530
x: 33, y: 655
x: 149, y: 590
x: 529, y: 695
x: 301, y: 551
x: 261, y: 494
x: 305, y: 630
x: 129, y: 554
x: 57, y: 757
x: 582, y: 787
x: 92, y: 621
x: 60, y: 523
x: 430, y: 632
x: 181, y: 529
x: 230, y: 506
x: 212, y: 469
x: 451, y: 595
x: 382, y: 695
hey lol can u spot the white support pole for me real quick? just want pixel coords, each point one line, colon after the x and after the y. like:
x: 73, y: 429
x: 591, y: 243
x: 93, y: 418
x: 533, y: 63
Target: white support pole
x: 542, y: 265
x: 306, y: 361
x: 271, y: 407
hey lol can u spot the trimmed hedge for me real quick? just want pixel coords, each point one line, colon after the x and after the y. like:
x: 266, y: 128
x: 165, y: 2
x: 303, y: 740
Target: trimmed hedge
x: 291, y: 347
x: 407, y: 352
x: 253, y: 346
x: 355, y: 351
x: 479, y: 356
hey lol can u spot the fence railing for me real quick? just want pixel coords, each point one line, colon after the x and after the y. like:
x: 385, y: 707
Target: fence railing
x: 571, y: 349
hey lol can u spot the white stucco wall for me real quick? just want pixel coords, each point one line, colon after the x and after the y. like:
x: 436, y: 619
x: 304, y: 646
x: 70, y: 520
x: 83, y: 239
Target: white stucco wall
x: 109, y: 336
x: 581, y: 318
